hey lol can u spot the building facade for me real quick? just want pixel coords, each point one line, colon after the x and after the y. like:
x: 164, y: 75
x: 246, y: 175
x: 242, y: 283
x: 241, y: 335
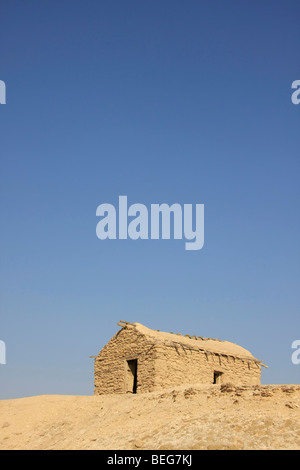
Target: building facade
x: 138, y: 360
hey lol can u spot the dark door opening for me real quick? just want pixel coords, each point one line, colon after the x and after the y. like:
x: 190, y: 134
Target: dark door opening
x: 131, y: 376
x: 217, y: 377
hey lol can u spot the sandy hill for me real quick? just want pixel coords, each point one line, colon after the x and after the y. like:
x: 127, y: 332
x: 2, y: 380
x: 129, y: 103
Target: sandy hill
x: 186, y: 417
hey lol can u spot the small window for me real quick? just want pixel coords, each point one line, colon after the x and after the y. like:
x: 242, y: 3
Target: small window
x: 217, y: 377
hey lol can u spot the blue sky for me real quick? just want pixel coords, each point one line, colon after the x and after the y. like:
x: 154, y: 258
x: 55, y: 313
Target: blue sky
x: 165, y: 102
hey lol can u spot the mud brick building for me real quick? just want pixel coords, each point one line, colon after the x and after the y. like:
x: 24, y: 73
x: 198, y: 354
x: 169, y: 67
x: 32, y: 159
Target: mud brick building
x: 138, y: 359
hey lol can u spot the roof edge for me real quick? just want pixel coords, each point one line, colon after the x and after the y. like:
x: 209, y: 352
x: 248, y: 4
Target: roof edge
x: 190, y: 342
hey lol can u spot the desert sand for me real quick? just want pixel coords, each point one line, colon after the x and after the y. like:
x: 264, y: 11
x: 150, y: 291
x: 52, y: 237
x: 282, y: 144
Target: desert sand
x: 189, y: 417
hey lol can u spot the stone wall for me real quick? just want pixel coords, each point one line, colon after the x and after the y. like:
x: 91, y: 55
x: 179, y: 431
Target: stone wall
x: 178, y: 366
x: 162, y: 365
x: 112, y: 371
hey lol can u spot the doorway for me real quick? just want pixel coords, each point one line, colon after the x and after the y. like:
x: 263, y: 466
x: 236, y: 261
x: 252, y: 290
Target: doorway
x: 131, y: 376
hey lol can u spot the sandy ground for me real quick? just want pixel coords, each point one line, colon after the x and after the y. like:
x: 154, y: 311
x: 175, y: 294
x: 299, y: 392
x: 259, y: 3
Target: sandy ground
x: 181, y: 418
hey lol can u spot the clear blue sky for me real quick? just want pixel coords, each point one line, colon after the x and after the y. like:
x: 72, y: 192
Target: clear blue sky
x: 162, y: 101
